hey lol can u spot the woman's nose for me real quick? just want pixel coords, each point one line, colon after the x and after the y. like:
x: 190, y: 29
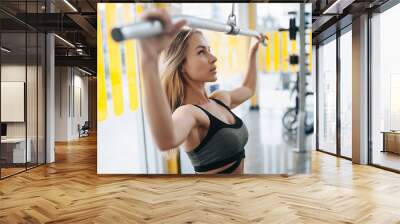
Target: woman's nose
x: 213, y: 58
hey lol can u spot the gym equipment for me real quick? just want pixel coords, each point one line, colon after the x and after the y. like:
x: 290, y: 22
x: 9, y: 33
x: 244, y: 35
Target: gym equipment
x: 290, y: 118
x: 155, y: 27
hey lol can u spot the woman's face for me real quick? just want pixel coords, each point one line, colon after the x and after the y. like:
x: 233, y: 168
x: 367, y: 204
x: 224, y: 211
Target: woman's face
x: 200, y: 63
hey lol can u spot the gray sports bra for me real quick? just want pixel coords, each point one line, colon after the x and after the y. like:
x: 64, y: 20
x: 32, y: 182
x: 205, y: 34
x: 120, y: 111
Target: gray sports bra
x: 223, y: 144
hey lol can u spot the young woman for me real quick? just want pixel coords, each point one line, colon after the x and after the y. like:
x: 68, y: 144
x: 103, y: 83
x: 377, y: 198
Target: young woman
x: 178, y: 109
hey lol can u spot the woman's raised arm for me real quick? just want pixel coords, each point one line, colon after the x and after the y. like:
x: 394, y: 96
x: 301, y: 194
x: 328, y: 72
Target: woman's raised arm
x: 169, y: 131
x: 242, y: 93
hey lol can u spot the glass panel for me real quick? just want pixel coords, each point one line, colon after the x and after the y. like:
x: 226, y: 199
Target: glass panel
x: 327, y: 96
x: 346, y: 94
x: 22, y: 63
x: 385, y: 89
x: 13, y: 90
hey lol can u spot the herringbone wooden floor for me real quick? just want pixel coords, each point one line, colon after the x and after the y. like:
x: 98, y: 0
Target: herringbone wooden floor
x: 70, y: 191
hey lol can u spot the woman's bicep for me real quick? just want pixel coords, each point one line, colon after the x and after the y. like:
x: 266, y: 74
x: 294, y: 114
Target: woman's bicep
x: 239, y: 95
x: 234, y: 97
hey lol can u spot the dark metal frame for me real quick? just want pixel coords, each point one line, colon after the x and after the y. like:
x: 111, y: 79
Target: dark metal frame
x: 369, y: 78
x: 316, y: 98
x: 44, y: 75
x: 387, y: 5
x: 0, y: 92
x: 338, y: 33
x: 338, y: 98
x: 26, y: 87
x: 318, y: 89
x: 341, y: 32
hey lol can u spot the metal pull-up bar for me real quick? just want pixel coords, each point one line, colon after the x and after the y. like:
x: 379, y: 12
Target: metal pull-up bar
x: 152, y: 28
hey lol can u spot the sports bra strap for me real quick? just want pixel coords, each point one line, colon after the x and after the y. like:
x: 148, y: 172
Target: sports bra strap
x: 212, y: 117
x: 205, y: 111
x: 221, y: 103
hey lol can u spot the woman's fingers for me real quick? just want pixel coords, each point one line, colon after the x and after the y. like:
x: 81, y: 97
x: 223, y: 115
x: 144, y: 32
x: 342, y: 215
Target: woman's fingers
x: 262, y: 39
x: 266, y: 37
x: 178, y: 26
x: 160, y: 15
x: 259, y: 39
x: 163, y: 16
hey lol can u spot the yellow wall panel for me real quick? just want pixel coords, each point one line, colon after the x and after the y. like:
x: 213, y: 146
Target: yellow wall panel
x: 285, y: 51
x: 173, y: 164
x: 253, y: 100
x: 139, y: 8
x: 252, y: 16
x: 101, y: 84
x: 162, y: 5
x: 276, y: 51
x: 268, y: 54
x: 231, y: 47
x: 115, y: 61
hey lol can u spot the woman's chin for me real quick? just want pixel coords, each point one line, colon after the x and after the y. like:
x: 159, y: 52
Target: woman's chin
x: 214, y: 78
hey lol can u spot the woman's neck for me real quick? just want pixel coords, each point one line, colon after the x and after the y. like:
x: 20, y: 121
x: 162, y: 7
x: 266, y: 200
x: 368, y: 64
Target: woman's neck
x: 195, y: 93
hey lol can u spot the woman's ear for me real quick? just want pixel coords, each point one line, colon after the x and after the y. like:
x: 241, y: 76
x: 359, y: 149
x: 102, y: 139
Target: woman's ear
x: 182, y: 69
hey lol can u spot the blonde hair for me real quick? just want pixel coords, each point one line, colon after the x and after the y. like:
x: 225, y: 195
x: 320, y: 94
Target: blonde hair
x: 172, y: 80
x: 172, y: 74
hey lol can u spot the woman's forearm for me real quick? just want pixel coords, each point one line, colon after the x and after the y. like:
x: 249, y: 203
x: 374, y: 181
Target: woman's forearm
x: 250, y: 80
x: 156, y: 105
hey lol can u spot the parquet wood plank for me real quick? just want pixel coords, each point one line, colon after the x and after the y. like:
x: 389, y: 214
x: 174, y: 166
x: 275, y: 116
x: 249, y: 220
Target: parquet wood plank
x: 70, y: 191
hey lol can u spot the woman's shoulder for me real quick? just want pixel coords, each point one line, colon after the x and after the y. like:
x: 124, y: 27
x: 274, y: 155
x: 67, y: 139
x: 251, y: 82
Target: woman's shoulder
x: 223, y: 96
x: 186, y: 110
x: 190, y: 111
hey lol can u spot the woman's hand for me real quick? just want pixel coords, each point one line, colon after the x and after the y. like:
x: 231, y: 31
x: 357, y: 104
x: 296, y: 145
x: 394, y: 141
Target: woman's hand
x: 151, y: 47
x: 254, y: 46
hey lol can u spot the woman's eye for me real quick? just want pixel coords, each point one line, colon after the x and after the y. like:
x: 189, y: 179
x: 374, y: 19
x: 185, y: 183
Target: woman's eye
x: 201, y: 52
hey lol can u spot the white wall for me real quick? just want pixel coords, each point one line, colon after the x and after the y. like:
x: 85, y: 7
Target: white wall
x: 71, y: 94
x: 12, y: 73
x: 61, y: 103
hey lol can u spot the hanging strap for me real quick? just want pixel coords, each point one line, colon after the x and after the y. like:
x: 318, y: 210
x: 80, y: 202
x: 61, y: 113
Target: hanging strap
x: 232, y: 22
